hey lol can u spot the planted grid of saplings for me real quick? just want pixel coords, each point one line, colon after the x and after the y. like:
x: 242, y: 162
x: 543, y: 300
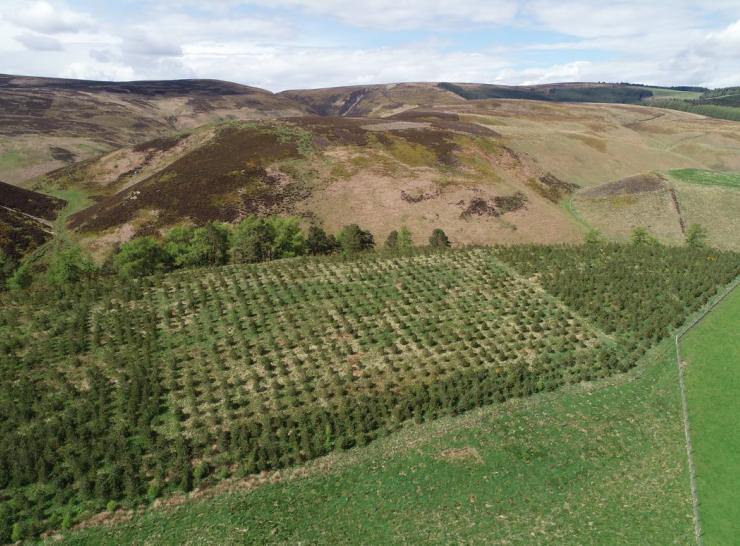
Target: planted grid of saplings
x: 171, y: 382
x: 241, y: 342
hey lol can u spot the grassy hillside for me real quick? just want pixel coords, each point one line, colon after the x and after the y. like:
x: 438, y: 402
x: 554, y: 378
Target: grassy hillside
x: 709, y: 109
x: 427, y: 167
x: 527, y: 471
x: 166, y: 383
x: 707, y: 178
x: 723, y: 103
x: 593, y: 144
x: 711, y: 353
x: 412, y: 154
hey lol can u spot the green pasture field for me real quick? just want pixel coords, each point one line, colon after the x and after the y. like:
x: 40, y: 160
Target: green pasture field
x: 707, y: 178
x: 711, y: 351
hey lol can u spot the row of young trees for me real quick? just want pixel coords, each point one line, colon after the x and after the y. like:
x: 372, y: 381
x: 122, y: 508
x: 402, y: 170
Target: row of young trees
x: 696, y: 237
x: 253, y: 240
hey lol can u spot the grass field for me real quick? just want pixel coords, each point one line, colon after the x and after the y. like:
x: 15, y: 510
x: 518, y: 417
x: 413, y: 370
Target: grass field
x: 661, y: 93
x: 712, y: 353
x: 557, y: 468
x: 707, y: 178
x: 11, y: 159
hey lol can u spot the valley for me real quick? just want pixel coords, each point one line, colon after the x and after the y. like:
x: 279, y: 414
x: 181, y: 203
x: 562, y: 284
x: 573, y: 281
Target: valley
x: 230, y: 315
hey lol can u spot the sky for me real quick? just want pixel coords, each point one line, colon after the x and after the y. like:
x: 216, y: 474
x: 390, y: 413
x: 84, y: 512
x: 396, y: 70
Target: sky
x: 295, y: 44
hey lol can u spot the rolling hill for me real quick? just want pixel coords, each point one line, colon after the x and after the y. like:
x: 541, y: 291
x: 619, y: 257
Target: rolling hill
x: 198, y: 361
x: 488, y: 170
x: 372, y: 100
x: 46, y: 123
x: 436, y: 170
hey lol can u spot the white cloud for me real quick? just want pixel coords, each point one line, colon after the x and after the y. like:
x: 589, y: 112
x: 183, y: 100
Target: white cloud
x: 405, y: 14
x: 44, y: 17
x: 39, y: 42
x: 142, y: 43
x: 95, y: 71
x: 283, y: 68
x: 102, y: 55
x: 281, y: 44
x: 723, y: 43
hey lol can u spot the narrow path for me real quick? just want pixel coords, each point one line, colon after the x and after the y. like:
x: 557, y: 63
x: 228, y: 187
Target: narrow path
x: 686, y: 425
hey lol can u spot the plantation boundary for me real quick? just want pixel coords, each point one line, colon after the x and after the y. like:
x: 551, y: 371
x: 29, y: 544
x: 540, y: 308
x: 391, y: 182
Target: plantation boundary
x: 686, y: 426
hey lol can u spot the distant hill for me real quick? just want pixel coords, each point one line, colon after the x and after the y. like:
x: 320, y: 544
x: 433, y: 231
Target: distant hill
x: 487, y: 171
x: 488, y: 163
x: 723, y: 103
x: 127, y: 112
x: 46, y: 123
x: 371, y: 100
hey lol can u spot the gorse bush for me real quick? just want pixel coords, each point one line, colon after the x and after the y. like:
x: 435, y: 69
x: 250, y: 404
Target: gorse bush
x: 128, y: 389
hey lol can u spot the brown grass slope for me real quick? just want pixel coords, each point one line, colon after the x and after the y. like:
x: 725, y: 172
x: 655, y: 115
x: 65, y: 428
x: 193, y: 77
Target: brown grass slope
x: 487, y: 171
x: 592, y: 144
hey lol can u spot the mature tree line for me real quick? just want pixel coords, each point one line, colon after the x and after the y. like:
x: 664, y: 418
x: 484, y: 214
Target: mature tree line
x: 255, y: 239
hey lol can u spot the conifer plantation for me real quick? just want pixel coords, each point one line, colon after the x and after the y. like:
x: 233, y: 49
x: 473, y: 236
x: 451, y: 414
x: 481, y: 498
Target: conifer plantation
x: 119, y: 390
